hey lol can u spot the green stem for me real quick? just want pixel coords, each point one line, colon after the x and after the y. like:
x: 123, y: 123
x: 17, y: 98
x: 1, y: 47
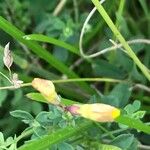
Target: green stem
x: 70, y: 80
x: 121, y: 38
x: 5, y: 77
x: 105, y: 130
x: 121, y: 6
x: 113, y: 132
x: 87, y: 79
x: 24, y: 134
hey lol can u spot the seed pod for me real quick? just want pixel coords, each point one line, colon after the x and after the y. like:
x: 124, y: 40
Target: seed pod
x: 7, y: 58
x: 96, y: 112
x: 47, y: 89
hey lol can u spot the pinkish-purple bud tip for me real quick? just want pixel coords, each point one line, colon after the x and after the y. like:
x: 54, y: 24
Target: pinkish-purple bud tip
x: 73, y: 109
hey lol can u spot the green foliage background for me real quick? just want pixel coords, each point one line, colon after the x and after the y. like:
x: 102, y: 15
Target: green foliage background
x: 56, y: 58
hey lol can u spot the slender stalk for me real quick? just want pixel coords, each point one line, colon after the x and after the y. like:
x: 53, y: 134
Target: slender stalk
x: 121, y: 38
x: 141, y: 86
x: 144, y: 147
x: 76, y: 11
x: 116, y: 46
x: 5, y: 77
x: 87, y: 79
x: 24, y: 134
x: 105, y: 130
x: 7, y: 87
x: 113, y: 132
x: 121, y: 8
x: 13, y: 87
x: 10, y: 73
x: 69, y: 80
x: 84, y: 26
x: 59, y: 7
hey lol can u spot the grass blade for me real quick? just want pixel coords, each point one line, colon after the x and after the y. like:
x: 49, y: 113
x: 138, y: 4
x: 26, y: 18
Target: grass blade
x: 119, y: 36
x: 58, y: 136
x: 46, y: 39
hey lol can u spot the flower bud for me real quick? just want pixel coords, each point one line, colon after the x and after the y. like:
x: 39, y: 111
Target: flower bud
x: 47, y: 89
x: 96, y: 112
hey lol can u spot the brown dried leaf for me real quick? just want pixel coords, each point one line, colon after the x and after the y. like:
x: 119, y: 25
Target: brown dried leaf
x: 7, y: 58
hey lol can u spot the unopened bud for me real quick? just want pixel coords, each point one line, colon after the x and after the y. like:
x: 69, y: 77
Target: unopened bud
x: 96, y: 112
x: 47, y: 89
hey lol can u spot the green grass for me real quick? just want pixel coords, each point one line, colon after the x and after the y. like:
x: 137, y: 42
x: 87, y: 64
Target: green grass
x: 121, y: 38
x: 41, y: 52
x: 37, y: 40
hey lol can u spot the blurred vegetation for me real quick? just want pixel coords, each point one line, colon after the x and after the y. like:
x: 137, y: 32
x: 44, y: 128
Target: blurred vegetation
x: 53, y: 61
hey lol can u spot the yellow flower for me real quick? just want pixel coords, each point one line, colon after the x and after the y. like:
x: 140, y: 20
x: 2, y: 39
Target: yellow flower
x: 47, y: 89
x: 96, y: 112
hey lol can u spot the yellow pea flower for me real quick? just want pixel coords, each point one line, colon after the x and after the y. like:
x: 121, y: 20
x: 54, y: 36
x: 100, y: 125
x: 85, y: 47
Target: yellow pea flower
x: 47, y: 89
x: 96, y: 112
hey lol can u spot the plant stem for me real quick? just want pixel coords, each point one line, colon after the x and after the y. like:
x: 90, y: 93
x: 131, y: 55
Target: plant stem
x: 13, y: 87
x: 69, y: 80
x: 86, y: 79
x: 5, y: 77
x: 121, y: 7
x: 121, y: 38
x: 113, y: 132
x: 76, y: 11
x: 116, y: 46
x: 24, y: 134
x: 105, y: 130
x: 141, y: 86
x: 59, y: 7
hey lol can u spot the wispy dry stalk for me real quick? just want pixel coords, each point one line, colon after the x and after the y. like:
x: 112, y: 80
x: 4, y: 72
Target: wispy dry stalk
x: 59, y: 7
